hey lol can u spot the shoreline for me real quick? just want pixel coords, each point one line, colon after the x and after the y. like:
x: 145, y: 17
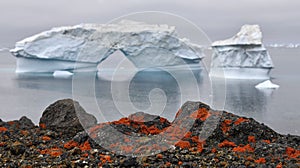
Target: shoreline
x: 60, y: 140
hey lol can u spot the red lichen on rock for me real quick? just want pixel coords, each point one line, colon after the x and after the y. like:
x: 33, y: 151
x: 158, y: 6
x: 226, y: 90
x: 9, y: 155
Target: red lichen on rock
x: 183, y: 144
x: 104, y: 159
x: 46, y: 138
x: 188, y: 134
x: 2, y: 144
x: 159, y: 156
x: 85, y: 146
x: 71, y: 144
x: 124, y: 121
x: 54, y: 152
x: 24, y: 132
x: 42, y: 125
x: 225, y: 125
x: 292, y: 153
x: 153, y: 130
x: 251, y: 139
x: 127, y: 149
x: 3, y: 129
x: 226, y: 143
x: 246, y: 148
x: 213, y: 150
x: 260, y: 160
x: 267, y: 141
x: 240, y: 120
x: 201, y: 113
x: 279, y: 165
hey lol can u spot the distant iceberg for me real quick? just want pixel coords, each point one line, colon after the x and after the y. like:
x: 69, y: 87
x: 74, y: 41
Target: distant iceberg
x: 145, y: 45
x: 243, y: 56
x: 267, y: 85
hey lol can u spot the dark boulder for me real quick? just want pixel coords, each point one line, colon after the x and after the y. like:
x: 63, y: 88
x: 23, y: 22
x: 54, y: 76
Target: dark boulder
x: 66, y: 116
x: 26, y: 123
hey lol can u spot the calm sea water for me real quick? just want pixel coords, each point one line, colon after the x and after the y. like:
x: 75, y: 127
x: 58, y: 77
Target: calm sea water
x: 111, y: 95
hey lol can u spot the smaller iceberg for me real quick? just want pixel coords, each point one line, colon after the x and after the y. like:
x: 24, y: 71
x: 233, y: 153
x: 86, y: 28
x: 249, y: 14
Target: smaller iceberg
x: 62, y: 74
x: 266, y: 85
x: 241, y: 57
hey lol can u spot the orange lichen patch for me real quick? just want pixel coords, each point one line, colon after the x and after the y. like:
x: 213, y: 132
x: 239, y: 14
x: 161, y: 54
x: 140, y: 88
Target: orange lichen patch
x: 188, y: 135
x: 159, y: 156
x: 260, y: 160
x: 127, y: 149
x: 246, y: 148
x: 71, y: 144
x: 201, y: 113
x: 46, y: 138
x: 85, y: 155
x: 279, y: 165
x: 2, y: 144
x: 55, y: 152
x: 267, y: 141
x: 213, y: 150
x: 240, y: 120
x: 42, y: 125
x: 226, y: 143
x: 96, y: 127
x: 167, y: 164
x: 251, y: 139
x: 124, y: 121
x: 104, y: 159
x: 225, y: 125
x: 183, y: 144
x: 11, y: 123
x: 3, y: 129
x: 249, y: 158
x: 126, y: 139
x: 292, y: 153
x: 85, y: 146
x: 153, y: 130
x: 180, y: 163
x: 24, y: 132
x: 163, y: 120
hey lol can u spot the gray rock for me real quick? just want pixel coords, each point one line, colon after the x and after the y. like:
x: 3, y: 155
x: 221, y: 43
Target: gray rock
x: 67, y: 116
x: 26, y: 123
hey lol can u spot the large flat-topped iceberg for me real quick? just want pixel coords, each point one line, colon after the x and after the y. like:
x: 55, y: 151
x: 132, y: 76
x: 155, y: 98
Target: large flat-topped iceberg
x: 145, y: 45
x: 243, y: 56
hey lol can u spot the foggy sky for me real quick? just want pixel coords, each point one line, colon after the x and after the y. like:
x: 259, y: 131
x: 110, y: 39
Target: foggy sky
x: 279, y: 20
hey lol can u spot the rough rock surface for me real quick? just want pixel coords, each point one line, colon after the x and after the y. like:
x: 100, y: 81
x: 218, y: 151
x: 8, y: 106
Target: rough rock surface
x: 64, y: 115
x: 144, y: 44
x: 235, y: 142
x: 244, y: 50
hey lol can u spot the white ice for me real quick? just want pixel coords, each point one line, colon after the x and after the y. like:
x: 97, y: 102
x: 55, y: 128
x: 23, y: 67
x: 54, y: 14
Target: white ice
x: 267, y: 85
x: 241, y: 57
x: 145, y: 45
x: 62, y: 74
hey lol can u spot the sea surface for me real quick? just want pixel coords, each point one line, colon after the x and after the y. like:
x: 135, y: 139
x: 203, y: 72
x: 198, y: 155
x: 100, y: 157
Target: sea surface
x: 118, y: 90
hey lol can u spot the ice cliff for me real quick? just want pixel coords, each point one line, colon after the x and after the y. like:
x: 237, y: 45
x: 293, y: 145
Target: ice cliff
x: 242, y: 56
x: 145, y: 45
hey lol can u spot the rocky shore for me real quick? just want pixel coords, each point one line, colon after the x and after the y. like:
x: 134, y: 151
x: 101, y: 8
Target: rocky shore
x: 197, y: 137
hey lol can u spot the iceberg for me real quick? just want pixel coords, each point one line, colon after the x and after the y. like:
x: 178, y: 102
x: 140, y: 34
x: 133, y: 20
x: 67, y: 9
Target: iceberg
x: 267, y: 85
x: 243, y: 56
x: 87, y: 45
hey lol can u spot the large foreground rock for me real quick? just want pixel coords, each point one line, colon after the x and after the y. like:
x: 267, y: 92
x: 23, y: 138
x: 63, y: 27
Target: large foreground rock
x: 63, y: 115
x: 145, y: 45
